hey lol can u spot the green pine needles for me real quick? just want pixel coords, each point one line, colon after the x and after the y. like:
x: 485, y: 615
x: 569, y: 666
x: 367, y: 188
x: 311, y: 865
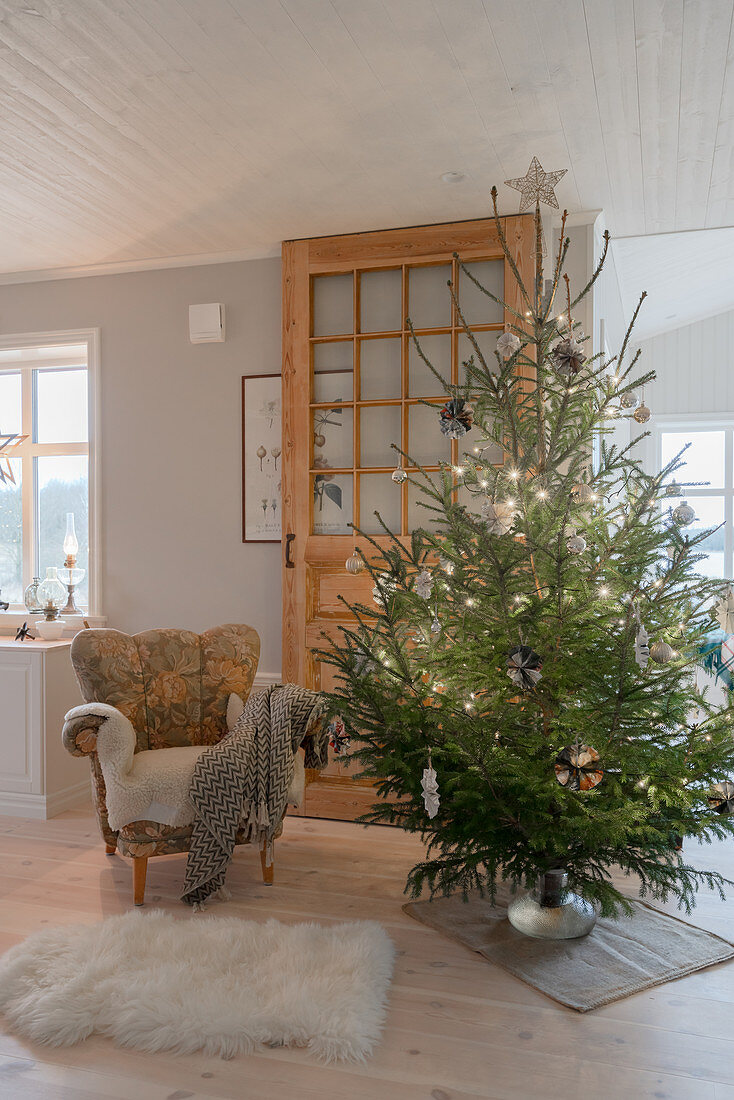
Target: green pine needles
x: 425, y: 670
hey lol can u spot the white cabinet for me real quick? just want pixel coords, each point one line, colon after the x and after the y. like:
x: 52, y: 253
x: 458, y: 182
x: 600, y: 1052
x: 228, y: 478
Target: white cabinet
x: 38, y: 777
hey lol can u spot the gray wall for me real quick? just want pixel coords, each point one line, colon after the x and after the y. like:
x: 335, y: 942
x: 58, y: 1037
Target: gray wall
x: 694, y: 368
x: 170, y: 436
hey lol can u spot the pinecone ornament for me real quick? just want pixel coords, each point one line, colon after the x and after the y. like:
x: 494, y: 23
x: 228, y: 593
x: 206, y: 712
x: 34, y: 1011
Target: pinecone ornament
x: 568, y: 356
x: 456, y: 418
x: 577, y: 768
x: 523, y: 666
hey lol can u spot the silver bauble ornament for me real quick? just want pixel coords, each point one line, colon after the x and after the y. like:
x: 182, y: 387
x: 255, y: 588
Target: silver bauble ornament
x: 575, y: 544
x: 684, y: 514
x: 673, y: 490
x: 399, y: 475
x: 354, y: 564
x: 629, y: 400
x: 582, y: 493
x: 661, y: 652
x: 435, y: 627
x: 642, y: 414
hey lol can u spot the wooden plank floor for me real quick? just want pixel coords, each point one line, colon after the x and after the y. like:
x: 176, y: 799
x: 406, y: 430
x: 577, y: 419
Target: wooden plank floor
x: 458, y: 1028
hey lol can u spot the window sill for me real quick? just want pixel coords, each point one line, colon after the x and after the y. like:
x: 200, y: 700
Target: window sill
x: 12, y: 619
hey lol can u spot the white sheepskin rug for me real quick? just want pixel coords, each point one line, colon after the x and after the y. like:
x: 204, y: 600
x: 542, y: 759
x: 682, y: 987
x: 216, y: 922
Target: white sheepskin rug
x: 217, y: 984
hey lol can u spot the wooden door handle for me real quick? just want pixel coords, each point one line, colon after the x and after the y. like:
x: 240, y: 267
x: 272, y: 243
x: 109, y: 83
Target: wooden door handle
x: 288, y: 563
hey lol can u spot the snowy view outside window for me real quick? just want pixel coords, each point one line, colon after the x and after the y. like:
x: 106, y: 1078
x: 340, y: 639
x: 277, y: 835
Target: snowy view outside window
x: 43, y: 393
x: 708, y: 459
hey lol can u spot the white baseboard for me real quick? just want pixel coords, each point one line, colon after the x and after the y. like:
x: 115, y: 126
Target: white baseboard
x: 41, y: 807
x: 266, y: 679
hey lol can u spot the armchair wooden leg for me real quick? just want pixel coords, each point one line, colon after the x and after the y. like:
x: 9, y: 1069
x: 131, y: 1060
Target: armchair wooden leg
x: 110, y: 849
x: 140, y: 867
x: 268, y: 868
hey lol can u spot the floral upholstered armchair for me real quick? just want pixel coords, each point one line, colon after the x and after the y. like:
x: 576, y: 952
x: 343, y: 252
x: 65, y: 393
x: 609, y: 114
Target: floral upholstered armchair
x: 174, y: 687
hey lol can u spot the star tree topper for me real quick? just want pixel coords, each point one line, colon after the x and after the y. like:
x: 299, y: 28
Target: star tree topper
x: 8, y: 443
x: 537, y: 186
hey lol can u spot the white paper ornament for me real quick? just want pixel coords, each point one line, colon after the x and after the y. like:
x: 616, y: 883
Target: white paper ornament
x: 684, y: 514
x: 724, y: 611
x: 498, y: 516
x: 642, y: 647
x: 429, y: 786
x: 508, y: 344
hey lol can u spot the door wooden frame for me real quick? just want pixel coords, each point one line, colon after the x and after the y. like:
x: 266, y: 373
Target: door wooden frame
x: 306, y: 557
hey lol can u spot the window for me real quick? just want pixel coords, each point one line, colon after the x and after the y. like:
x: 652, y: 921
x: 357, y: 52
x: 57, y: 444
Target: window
x: 45, y: 395
x: 709, y: 465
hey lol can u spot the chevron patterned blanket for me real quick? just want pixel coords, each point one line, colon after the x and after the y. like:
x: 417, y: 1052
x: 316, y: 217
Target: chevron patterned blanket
x: 241, y: 784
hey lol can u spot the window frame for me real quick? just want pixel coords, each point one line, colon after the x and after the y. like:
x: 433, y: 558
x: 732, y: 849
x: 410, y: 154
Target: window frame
x: 28, y: 451
x: 692, y: 425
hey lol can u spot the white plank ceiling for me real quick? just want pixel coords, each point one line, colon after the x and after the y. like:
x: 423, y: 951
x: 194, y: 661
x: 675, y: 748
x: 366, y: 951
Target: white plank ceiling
x: 137, y: 130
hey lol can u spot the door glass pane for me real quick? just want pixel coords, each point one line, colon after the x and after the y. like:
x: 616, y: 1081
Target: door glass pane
x: 477, y: 308
x: 11, y: 535
x: 332, y: 438
x: 10, y: 416
x: 487, y: 342
x: 333, y: 305
x: 704, y: 459
x: 332, y: 504
x: 429, y: 300
x: 63, y: 487
x: 709, y: 513
x: 418, y: 514
x: 381, y: 302
x: 333, y: 377
x: 426, y: 443
x: 379, y: 427
x: 379, y: 493
x: 379, y: 368
x: 472, y: 501
x: 437, y: 349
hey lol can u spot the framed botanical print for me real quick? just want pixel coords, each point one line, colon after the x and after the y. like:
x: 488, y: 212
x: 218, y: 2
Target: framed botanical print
x: 261, y: 458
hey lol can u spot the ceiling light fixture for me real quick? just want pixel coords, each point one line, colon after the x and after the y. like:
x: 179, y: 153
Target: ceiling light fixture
x: 453, y: 177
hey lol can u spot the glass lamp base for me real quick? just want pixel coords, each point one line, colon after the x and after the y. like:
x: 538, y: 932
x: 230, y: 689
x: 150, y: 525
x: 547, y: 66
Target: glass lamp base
x: 551, y: 912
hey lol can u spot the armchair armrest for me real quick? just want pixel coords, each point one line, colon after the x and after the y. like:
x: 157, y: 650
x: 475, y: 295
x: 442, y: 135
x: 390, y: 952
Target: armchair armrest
x: 102, y: 729
x: 79, y: 733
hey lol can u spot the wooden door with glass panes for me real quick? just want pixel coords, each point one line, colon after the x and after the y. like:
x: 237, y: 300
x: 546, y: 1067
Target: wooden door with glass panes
x: 353, y: 383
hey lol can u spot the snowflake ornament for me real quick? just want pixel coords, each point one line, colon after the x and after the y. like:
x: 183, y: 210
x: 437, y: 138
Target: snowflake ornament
x: 508, y: 344
x: 423, y: 584
x: 498, y: 517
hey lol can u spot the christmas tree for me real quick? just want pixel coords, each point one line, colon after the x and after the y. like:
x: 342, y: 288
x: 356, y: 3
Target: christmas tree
x: 524, y: 690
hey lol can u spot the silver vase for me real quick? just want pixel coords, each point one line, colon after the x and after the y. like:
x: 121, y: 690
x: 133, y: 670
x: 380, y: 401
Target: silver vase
x: 551, y: 911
